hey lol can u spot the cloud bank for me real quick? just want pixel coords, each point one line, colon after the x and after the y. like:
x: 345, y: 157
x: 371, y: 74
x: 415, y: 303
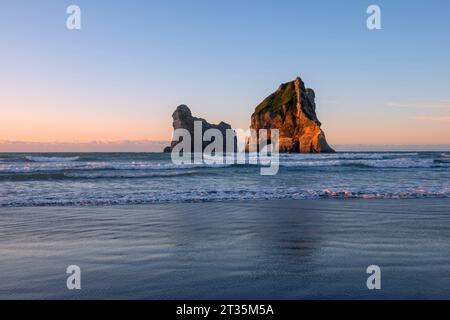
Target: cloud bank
x: 92, y: 146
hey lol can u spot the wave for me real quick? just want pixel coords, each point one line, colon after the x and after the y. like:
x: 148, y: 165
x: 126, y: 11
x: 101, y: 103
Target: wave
x: 442, y: 161
x: 53, y: 164
x: 127, y: 175
x: 408, y: 194
x: 51, y: 159
x: 386, y: 163
x: 220, y: 196
x: 97, y: 166
x: 348, y: 156
x: 45, y: 176
x: 73, y: 165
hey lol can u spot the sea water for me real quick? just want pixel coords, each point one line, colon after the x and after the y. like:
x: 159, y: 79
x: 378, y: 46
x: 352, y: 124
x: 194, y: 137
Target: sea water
x: 141, y: 178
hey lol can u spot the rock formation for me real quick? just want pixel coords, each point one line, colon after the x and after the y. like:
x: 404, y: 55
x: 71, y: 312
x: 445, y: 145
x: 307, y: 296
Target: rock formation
x: 183, y: 119
x: 292, y: 110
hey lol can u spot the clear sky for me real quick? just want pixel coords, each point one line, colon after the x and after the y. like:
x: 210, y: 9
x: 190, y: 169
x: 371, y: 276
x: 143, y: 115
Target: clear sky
x: 121, y: 76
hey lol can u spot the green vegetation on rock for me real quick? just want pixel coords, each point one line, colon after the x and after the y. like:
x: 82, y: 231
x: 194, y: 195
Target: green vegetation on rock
x: 284, y: 96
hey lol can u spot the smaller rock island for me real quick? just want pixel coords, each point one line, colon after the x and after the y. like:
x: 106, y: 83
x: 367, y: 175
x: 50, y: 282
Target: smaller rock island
x: 183, y: 119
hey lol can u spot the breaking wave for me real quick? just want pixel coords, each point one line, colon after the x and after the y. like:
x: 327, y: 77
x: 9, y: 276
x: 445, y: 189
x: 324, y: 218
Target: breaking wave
x: 51, y: 159
x: 41, y: 164
x: 221, y: 195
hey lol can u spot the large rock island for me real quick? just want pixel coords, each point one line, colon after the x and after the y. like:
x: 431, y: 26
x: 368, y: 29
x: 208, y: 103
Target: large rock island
x: 292, y: 110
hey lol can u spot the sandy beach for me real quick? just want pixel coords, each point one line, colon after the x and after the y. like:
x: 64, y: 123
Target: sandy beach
x: 285, y: 249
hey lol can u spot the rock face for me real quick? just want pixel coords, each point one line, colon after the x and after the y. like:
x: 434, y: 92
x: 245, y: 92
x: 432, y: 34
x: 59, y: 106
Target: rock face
x: 183, y: 119
x: 292, y: 110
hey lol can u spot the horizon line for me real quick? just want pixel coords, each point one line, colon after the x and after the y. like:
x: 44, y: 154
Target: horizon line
x: 139, y: 146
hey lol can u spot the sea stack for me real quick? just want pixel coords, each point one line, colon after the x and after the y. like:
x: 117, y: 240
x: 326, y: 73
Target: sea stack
x: 292, y: 110
x: 183, y: 119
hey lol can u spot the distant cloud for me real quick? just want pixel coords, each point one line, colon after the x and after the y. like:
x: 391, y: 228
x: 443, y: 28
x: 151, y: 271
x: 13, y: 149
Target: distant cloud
x: 442, y: 105
x: 445, y: 104
x: 333, y: 102
x: 390, y: 147
x: 433, y: 118
x: 92, y: 146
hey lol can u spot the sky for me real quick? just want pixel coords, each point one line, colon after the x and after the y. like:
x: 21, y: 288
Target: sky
x: 118, y: 79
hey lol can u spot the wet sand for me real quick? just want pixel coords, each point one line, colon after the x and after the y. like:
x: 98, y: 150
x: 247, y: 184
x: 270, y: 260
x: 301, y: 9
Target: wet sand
x: 287, y: 249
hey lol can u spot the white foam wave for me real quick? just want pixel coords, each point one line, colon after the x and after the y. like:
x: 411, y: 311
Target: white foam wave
x: 148, y: 197
x: 48, y: 166
x: 385, y: 163
x: 346, y: 156
x: 127, y: 174
x: 51, y: 159
x: 58, y: 165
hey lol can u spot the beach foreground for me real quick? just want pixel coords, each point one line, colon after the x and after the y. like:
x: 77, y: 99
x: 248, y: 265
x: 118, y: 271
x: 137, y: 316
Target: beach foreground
x: 284, y: 249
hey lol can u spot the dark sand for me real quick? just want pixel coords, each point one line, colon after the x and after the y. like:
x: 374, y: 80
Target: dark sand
x: 233, y: 250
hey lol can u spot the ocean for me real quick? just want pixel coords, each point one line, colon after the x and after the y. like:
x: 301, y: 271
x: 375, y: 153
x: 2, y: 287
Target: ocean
x: 143, y: 178
x: 139, y: 227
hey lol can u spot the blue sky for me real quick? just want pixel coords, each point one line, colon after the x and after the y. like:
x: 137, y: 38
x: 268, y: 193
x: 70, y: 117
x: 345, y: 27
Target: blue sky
x: 133, y: 62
